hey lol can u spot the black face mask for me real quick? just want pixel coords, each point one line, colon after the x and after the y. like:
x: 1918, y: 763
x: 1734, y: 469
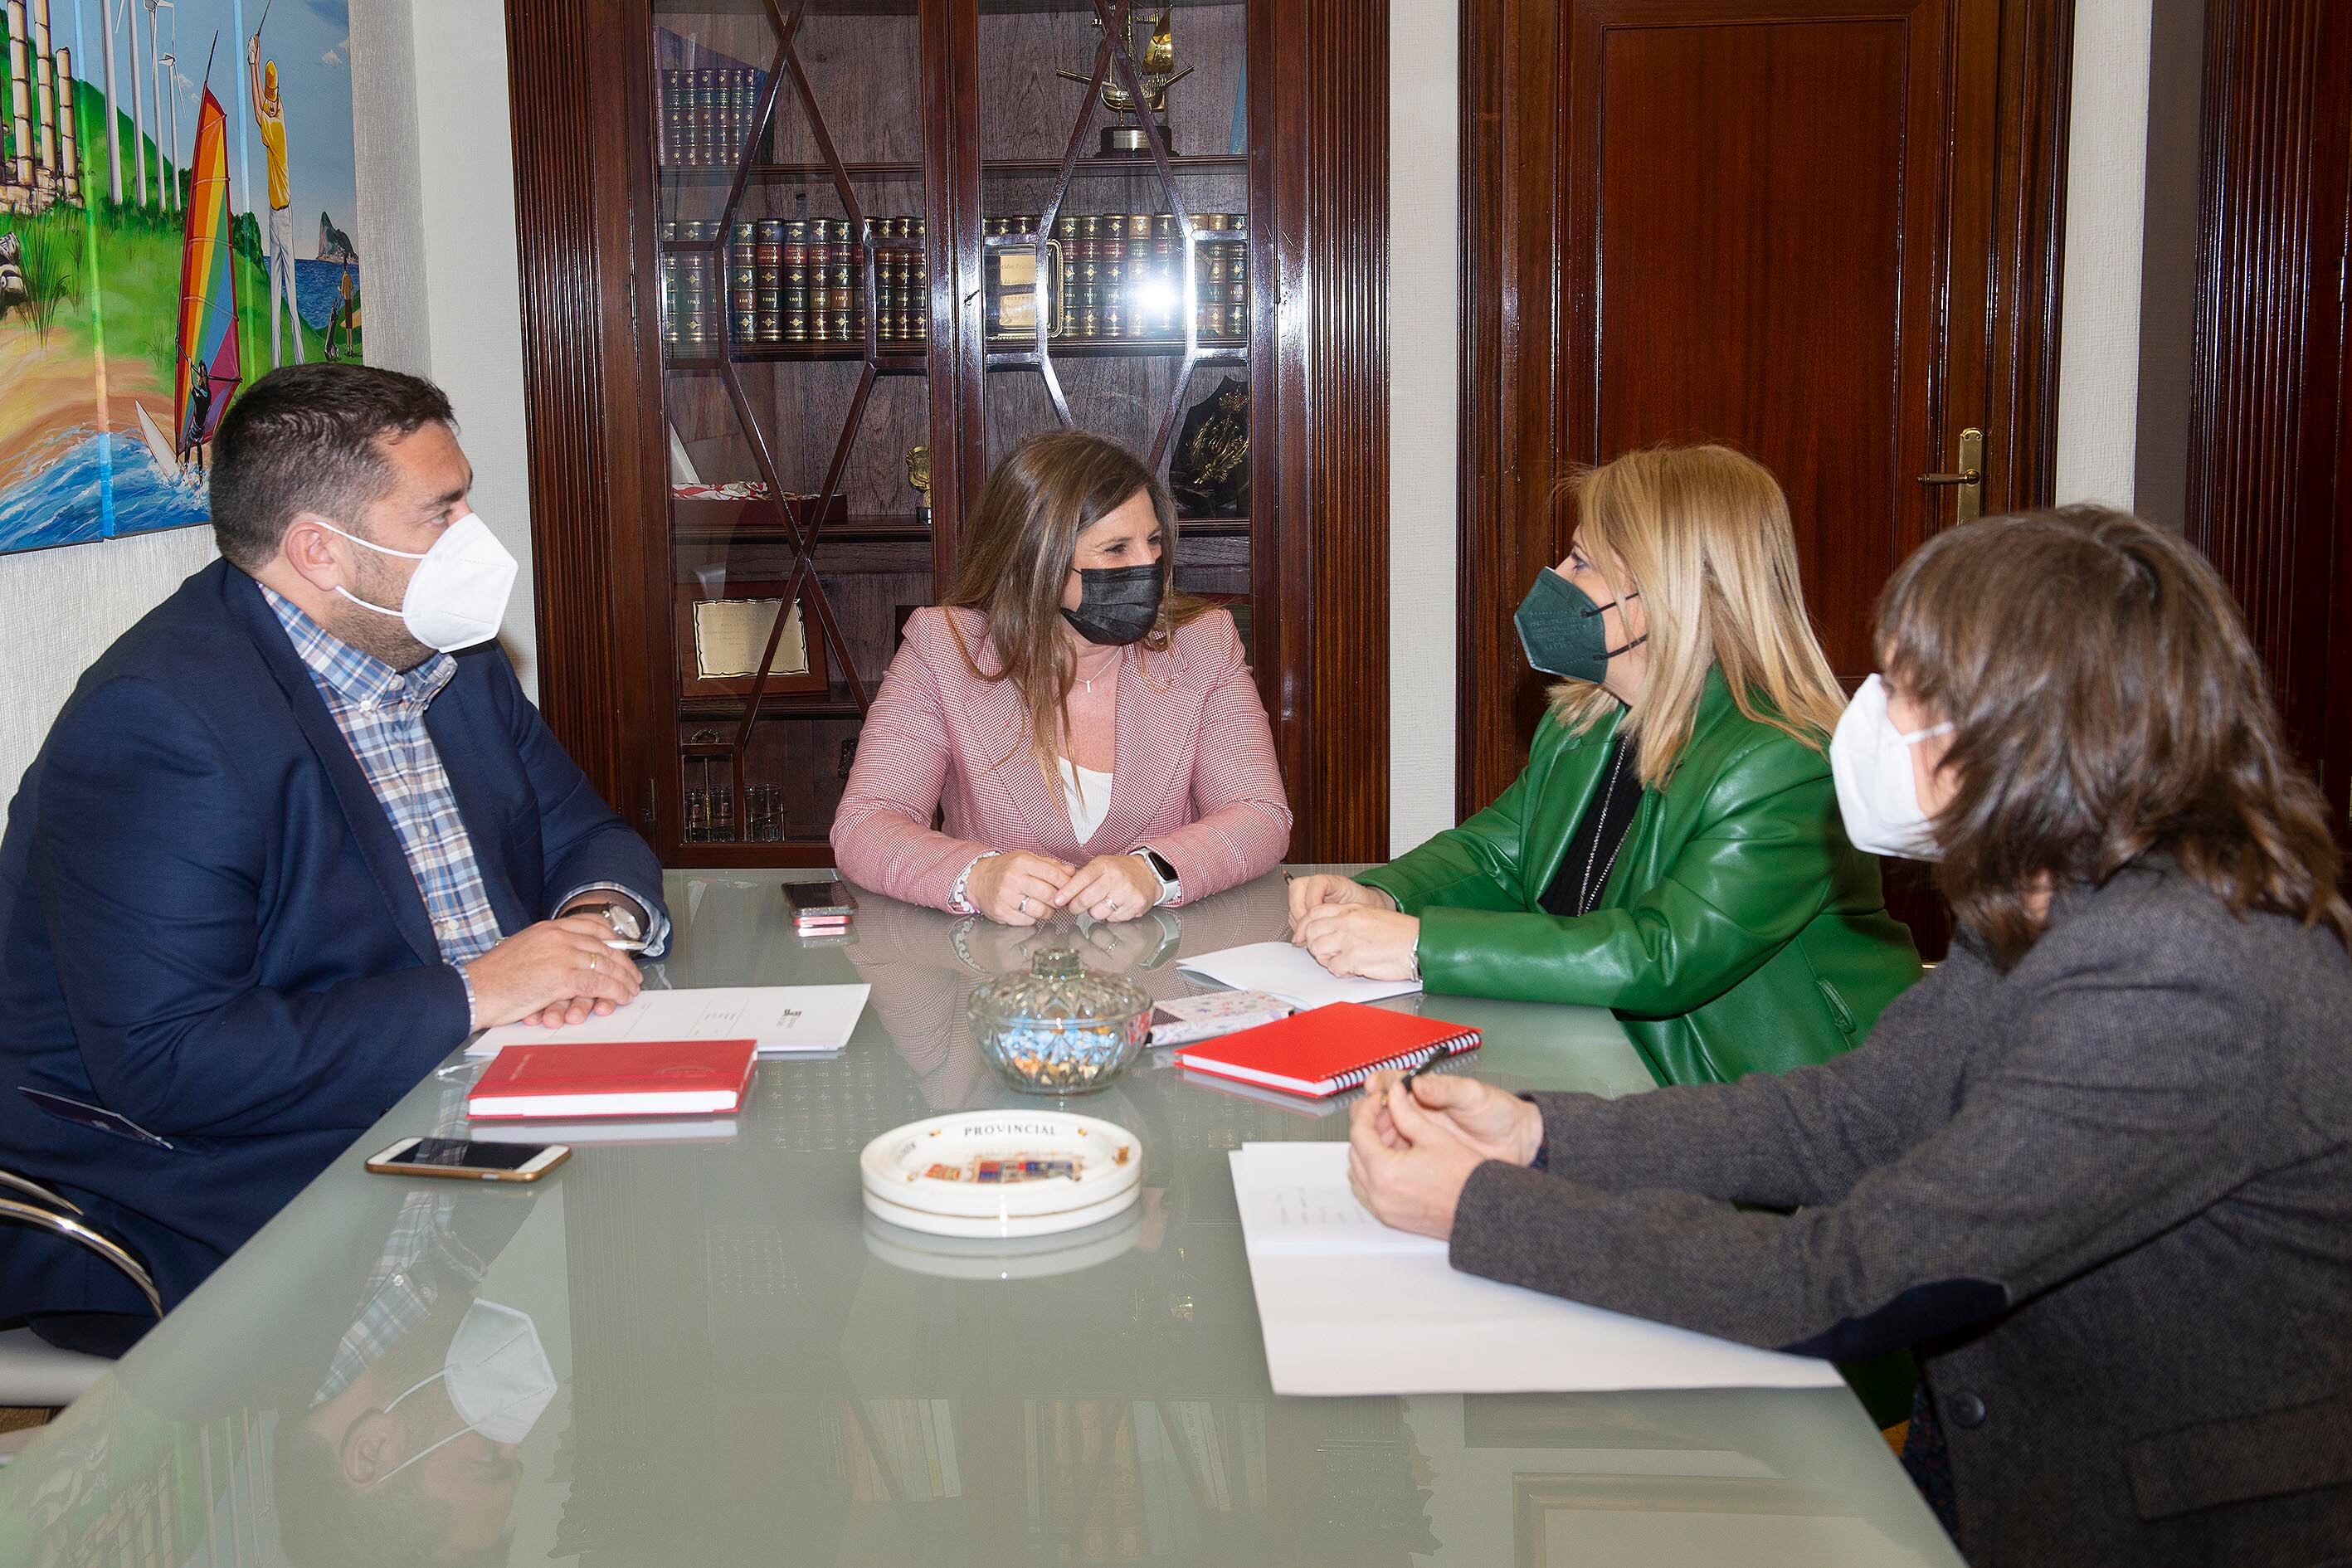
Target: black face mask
x: 1116, y: 604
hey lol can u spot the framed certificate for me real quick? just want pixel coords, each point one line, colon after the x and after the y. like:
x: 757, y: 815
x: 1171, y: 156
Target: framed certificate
x: 721, y: 640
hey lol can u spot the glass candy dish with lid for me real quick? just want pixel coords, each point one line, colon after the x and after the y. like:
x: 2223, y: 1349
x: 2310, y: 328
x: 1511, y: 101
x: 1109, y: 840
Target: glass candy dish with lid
x: 1059, y: 1028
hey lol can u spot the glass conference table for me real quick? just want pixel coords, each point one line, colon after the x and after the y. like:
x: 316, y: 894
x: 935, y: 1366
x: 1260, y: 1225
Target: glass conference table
x: 740, y: 1367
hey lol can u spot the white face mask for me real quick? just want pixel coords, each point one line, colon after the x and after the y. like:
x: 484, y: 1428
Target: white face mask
x: 457, y: 595
x: 1871, y: 760
x: 499, y: 1379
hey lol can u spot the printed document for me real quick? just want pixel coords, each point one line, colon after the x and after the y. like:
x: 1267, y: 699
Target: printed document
x: 1349, y: 1306
x: 786, y: 1020
x: 1291, y: 972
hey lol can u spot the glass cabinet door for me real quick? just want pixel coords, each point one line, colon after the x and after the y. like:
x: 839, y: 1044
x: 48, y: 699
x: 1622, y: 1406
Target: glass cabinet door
x: 1118, y: 288
x: 796, y: 322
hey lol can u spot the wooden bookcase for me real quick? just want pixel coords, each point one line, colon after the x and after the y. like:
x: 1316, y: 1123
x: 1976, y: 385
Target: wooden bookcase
x: 879, y: 140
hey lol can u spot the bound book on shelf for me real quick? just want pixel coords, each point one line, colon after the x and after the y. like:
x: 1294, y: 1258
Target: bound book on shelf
x: 615, y: 1078
x: 1327, y: 1049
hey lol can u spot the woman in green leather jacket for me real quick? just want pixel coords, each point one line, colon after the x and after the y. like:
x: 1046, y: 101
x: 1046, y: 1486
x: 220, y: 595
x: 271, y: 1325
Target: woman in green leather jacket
x: 1673, y: 849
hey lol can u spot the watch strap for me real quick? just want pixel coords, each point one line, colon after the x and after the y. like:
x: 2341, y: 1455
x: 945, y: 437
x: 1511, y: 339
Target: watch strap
x: 1170, y: 885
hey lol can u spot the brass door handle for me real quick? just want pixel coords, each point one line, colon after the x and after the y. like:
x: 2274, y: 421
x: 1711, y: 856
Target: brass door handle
x: 1970, y: 479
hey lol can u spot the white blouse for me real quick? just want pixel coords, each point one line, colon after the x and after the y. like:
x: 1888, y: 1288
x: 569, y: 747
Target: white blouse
x: 1087, y: 794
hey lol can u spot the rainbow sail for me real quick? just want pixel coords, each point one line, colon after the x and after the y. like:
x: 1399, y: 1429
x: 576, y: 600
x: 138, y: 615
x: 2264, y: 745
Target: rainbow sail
x: 208, y: 370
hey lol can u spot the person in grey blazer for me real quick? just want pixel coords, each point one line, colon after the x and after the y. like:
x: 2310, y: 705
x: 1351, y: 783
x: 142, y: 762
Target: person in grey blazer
x: 2095, y: 1169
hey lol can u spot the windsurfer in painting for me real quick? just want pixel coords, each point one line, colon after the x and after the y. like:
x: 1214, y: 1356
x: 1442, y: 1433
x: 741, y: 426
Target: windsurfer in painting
x: 200, y: 412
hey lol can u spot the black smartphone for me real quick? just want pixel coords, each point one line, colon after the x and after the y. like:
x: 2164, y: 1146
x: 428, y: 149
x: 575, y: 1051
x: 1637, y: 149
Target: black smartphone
x: 812, y: 899
x: 468, y: 1161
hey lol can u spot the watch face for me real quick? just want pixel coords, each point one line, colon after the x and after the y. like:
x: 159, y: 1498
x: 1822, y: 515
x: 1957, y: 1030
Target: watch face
x: 624, y: 922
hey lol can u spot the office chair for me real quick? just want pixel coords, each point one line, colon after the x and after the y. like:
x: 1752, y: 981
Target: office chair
x: 34, y: 1373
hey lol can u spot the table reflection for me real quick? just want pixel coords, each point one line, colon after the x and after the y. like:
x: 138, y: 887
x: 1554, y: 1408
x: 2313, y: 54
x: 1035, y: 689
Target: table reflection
x: 1103, y: 1401
x: 735, y: 1363
x: 375, y: 1413
x: 924, y: 966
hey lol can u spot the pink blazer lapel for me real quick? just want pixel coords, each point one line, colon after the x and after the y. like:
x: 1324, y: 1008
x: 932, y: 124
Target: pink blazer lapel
x: 1158, y: 730
x: 996, y: 711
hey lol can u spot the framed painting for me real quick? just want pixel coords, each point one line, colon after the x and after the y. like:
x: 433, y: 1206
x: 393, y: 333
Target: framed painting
x: 159, y: 163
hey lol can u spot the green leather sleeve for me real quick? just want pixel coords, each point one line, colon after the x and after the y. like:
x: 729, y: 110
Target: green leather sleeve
x: 1759, y: 868
x: 1475, y: 866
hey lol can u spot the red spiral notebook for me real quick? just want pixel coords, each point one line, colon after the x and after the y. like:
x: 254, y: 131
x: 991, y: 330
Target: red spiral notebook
x: 617, y: 1078
x: 1326, y: 1049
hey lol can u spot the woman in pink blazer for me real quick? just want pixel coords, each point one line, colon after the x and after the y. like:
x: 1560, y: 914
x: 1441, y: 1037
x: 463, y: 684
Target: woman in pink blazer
x: 1085, y: 737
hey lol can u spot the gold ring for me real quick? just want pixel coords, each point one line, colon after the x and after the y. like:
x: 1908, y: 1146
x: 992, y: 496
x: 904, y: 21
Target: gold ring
x: 594, y: 964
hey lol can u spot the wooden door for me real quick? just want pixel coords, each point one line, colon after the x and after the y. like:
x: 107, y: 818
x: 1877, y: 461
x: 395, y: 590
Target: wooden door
x: 1818, y: 230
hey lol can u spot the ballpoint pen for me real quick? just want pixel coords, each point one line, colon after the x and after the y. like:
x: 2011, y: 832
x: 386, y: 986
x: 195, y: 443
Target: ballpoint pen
x: 1436, y: 1054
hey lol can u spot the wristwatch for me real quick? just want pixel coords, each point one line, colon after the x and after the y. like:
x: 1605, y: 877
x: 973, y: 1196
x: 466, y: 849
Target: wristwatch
x: 1171, y: 888
x: 624, y: 922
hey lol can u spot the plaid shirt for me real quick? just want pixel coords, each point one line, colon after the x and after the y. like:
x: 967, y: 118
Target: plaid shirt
x: 420, y: 1256
x: 381, y: 712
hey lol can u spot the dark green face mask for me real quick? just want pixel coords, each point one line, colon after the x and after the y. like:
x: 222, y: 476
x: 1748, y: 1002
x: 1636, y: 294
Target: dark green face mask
x: 1561, y: 628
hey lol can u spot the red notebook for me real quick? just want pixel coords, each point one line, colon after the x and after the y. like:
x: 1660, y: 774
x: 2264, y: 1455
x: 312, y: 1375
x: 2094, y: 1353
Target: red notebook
x: 1328, y: 1048
x: 619, y: 1078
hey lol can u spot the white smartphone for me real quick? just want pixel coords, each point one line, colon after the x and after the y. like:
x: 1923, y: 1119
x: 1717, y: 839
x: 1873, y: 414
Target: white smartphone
x: 468, y: 1161
x: 821, y: 900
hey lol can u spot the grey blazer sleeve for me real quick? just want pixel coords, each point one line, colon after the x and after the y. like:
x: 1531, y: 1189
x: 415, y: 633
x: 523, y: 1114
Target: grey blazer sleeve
x: 2123, y: 1104
x: 1780, y: 1140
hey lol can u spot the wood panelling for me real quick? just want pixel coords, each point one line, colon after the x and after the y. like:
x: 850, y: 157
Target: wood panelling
x: 1514, y: 360
x: 597, y: 476
x: 865, y: 70
x: 1319, y: 412
x: 2267, y: 454
x: 951, y: 94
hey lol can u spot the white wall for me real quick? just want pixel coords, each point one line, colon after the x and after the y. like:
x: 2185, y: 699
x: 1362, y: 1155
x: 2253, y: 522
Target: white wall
x: 61, y: 608
x: 1424, y: 354
x: 2099, y: 338
x: 391, y: 218
x: 474, y: 325
x: 437, y: 200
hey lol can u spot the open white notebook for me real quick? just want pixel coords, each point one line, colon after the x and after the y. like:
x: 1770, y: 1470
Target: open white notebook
x: 784, y: 1020
x: 1291, y: 972
x: 1350, y: 1307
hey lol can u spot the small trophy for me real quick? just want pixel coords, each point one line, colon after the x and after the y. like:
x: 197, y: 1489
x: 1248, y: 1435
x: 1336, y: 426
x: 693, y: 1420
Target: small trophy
x: 919, y: 474
x: 1156, y: 67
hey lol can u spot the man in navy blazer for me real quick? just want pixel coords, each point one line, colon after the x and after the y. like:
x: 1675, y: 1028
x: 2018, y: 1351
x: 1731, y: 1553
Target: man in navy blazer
x: 284, y: 849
